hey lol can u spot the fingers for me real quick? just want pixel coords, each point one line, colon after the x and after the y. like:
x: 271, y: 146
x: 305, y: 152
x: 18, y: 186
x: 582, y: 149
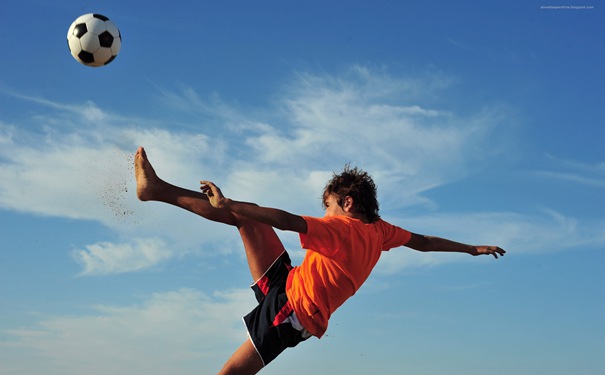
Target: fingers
x: 214, y: 194
x: 208, y: 187
x: 495, y: 251
x: 207, y: 184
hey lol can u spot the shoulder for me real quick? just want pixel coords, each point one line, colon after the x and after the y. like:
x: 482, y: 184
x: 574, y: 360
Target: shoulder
x: 328, y: 220
x: 394, y: 235
x: 325, y: 235
x: 383, y: 224
x: 332, y: 224
x: 332, y: 221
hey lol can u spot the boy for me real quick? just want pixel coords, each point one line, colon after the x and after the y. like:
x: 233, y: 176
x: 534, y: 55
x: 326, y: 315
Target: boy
x: 295, y: 303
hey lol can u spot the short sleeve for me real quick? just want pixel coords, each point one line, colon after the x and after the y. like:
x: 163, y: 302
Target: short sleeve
x: 324, y: 236
x: 394, y: 236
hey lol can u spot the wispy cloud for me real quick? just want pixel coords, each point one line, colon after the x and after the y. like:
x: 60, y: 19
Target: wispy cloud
x: 574, y: 178
x: 319, y: 123
x: 316, y: 124
x: 195, y: 330
x: 87, y: 111
x: 107, y: 258
x: 459, y: 44
x: 574, y: 171
x: 367, y: 117
x: 519, y: 234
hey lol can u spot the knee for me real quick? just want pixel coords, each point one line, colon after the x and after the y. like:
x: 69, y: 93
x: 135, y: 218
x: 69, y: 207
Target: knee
x: 242, y: 221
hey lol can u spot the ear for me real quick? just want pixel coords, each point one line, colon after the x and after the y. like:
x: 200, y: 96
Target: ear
x: 348, y: 204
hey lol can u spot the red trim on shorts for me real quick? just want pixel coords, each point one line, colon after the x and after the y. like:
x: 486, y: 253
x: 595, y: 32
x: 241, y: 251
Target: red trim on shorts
x: 263, y: 284
x: 283, y: 314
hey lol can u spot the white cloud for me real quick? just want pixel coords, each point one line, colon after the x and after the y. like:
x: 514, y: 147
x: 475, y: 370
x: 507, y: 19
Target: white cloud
x: 331, y: 121
x: 363, y: 116
x: 107, y: 258
x: 586, y: 174
x: 79, y: 169
x: 516, y: 233
x: 177, y: 332
x: 321, y: 122
x: 87, y: 174
x: 575, y: 178
x: 58, y: 173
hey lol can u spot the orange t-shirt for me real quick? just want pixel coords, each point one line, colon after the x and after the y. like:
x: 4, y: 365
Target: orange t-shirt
x: 341, y: 253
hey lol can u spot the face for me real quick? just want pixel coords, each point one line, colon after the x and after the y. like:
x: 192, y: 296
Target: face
x: 332, y: 207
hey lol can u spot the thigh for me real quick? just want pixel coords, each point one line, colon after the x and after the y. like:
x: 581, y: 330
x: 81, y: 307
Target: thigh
x: 262, y: 246
x: 274, y: 279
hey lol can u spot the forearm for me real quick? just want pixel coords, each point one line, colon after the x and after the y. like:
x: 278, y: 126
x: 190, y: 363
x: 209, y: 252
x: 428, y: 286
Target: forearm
x: 444, y: 245
x: 274, y: 217
x: 428, y: 243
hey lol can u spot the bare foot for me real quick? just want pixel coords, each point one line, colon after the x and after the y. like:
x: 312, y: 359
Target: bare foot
x: 147, y: 180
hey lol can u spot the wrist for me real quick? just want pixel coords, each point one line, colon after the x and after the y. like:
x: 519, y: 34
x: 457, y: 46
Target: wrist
x: 226, y: 203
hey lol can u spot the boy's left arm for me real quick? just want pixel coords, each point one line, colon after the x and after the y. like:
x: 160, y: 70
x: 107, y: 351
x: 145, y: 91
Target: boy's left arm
x: 428, y: 243
x: 274, y: 217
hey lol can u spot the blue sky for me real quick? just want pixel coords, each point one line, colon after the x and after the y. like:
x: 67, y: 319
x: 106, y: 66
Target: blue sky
x: 480, y: 122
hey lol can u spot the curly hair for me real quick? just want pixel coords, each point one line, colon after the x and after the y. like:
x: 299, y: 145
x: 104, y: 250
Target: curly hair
x: 357, y: 184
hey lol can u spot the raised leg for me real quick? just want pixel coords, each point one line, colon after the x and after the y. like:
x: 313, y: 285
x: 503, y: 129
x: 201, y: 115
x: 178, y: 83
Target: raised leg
x: 152, y: 188
x: 260, y: 241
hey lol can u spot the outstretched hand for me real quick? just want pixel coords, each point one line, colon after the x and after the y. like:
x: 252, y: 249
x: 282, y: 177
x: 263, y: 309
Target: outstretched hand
x: 488, y: 250
x: 214, y: 194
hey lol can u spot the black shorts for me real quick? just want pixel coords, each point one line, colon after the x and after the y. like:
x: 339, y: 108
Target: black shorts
x: 271, y: 325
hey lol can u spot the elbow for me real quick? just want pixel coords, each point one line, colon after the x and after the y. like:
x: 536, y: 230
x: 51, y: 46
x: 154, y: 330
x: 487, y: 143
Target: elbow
x: 425, y: 245
x: 420, y: 242
x: 296, y: 224
x: 282, y: 226
x: 292, y: 223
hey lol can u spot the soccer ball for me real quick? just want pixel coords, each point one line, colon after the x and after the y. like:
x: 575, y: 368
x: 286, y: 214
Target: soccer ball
x: 94, y: 40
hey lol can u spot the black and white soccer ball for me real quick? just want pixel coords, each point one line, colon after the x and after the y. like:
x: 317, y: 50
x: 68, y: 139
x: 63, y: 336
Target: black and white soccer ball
x: 94, y: 40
